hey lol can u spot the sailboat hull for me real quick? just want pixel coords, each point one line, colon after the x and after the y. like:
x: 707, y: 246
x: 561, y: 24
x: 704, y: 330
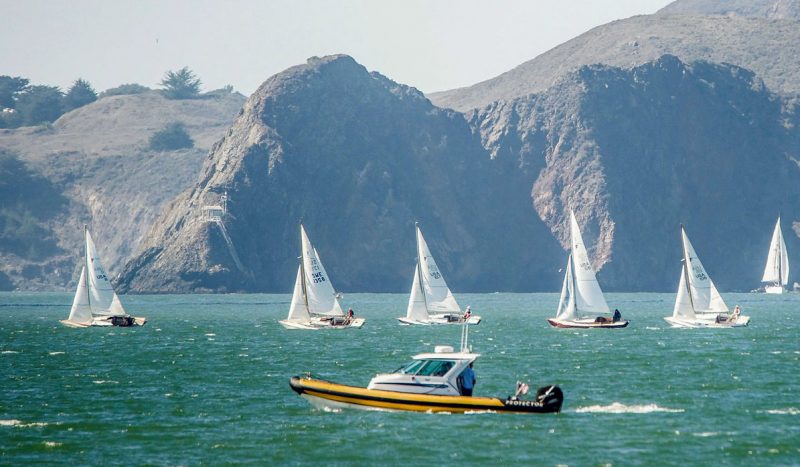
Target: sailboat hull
x: 741, y: 321
x: 774, y: 289
x: 107, y: 322
x: 328, y: 395
x: 441, y: 319
x: 587, y: 324
x: 320, y: 323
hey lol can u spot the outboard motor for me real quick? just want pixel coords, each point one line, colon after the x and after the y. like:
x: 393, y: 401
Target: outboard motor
x: 551, y: 397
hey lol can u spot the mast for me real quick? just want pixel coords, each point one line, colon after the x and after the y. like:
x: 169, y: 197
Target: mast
x: 779, y: 253
x: 417, y: 234
x: 686, y: 267
x: 573, y: 286
x: 86, y: 264
x: 303, y: 269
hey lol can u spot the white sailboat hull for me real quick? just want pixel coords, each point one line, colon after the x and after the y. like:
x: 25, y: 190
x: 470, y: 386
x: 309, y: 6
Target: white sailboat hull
x: 441, y: 319
x: 774, y: 289
x: 320, y: 323
x: 741, y: 321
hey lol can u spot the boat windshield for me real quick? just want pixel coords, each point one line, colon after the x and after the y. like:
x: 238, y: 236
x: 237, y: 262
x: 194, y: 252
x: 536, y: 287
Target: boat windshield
x: 426, y: 367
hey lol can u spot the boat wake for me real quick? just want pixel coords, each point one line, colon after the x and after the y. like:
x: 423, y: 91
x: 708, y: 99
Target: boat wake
x: 617, y: 407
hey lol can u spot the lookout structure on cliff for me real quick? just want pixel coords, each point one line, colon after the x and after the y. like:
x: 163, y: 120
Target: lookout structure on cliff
x: 215, y: 212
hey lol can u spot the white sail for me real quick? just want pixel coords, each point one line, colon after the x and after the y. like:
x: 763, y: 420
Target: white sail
x: 588, y: 295
x: 81, y: 311
x: 298, y: 310
x: 438, y: 298
x: 320, y: 295
x: 102, y: 298
x: 705, y: 297
x: 683, y: 301
x: 566, y: 304
x: 777, y: 268
x: 417, y: 310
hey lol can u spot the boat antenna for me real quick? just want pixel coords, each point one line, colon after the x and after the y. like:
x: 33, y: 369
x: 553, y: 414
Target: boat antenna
x: 465, y: 337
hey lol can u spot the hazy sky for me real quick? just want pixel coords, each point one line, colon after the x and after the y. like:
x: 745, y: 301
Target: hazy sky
x: 432, y: 45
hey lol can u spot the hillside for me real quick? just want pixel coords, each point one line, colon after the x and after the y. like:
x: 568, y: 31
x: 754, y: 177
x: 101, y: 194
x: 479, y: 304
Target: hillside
x: 769, y: 47
x: 96, y: 159
x: 358, y: 158
x: 769, y: 9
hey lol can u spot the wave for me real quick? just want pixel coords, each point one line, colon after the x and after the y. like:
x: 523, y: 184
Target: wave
x: 105, y: 381
x: 617, y: 407
x: 17, y: 423
x: 789, y: 411
x: 56, y: 353
x: 8, y: 351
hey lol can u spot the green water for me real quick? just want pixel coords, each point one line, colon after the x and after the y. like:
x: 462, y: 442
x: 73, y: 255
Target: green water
x: 206, y: 382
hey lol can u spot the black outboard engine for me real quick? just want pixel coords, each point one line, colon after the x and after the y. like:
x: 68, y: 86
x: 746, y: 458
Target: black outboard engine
x: 551, y: 397
x: 123, y: 321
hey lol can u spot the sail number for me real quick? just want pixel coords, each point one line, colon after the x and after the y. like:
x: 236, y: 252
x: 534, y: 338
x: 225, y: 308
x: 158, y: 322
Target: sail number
x: 318, y: 277
x: 699, y: 273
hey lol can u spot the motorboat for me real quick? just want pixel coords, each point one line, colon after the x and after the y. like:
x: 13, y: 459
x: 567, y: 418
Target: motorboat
x: 430, y: 382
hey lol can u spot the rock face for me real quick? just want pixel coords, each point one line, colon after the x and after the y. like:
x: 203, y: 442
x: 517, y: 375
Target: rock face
x: 769, y: 47
x: 358, y: 158
x: 94, y: 164
x: 637, y: 152
x: 769, y: 9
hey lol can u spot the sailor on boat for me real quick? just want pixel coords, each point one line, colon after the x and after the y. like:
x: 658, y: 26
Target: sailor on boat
x: 441, y: 381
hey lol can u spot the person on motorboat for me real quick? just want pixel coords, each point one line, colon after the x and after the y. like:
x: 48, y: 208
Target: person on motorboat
x: 468, y: 381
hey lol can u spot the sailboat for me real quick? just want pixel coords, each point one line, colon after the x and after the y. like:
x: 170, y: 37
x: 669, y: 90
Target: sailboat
x: 582, y: 303
x: 431, y: 301
x: 776, y: 272
x: 698, y: 303
x: 95, y: 302
x: 315, y: 305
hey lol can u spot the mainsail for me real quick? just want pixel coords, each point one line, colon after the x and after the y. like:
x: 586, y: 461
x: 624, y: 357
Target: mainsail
x: 81, y: 311
x: 588, y: 295
x: 438, y: 298
x: 102, y: 298
x: 703, y: 296
x: 777, y: 268
x: 320, y: 297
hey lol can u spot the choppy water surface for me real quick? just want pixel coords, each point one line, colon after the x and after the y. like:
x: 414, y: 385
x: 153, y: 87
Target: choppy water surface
x: 206, y: 382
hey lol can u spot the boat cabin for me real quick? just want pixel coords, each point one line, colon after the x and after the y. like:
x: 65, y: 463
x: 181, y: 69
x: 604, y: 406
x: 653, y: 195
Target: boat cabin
x: 436, y: 373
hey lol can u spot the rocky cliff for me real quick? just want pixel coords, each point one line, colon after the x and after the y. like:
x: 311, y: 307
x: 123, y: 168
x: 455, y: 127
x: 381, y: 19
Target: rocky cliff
x: 358, y: 158
x: 637, y: 152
